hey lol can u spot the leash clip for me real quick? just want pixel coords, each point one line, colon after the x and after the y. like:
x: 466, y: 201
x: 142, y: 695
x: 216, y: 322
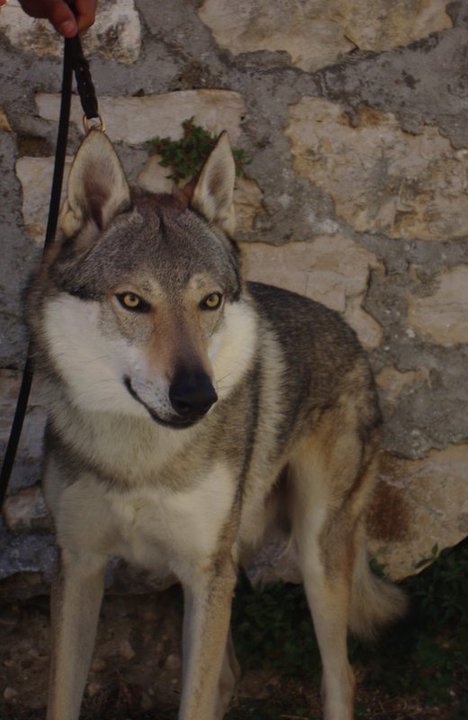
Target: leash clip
x: 94, y: 123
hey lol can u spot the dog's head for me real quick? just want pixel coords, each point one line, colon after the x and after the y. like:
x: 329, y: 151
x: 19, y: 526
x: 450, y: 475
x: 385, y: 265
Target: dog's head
x: 142, y: 310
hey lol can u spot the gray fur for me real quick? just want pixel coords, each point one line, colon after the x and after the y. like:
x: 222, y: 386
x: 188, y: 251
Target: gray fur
x: 291, y: 441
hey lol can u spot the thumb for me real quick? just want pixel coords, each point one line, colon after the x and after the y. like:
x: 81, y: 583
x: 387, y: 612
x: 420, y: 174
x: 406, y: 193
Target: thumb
x: 57, y: 12
x: 62, y: 18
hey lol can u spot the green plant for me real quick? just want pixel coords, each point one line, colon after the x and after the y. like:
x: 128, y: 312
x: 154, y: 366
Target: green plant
x: 424, y: 657
x: 272, y: 627
x: 427, y: 654
x: 185, y: 157
x: 276, y: 708
x: 377, y: 567
x: 428, y: 560
x: 441, y: 590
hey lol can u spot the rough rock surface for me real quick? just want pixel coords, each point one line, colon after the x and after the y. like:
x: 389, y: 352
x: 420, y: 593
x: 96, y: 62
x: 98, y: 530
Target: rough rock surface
x: 381, y: 178
x: 442, y: 316
x: 420, y: 507
x: 315, y: 34
x: 333, y: 270
x: 135, y: 120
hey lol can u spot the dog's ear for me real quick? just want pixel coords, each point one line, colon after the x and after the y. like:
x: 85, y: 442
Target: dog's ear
x: 97, y: 188
x: 213, y: 192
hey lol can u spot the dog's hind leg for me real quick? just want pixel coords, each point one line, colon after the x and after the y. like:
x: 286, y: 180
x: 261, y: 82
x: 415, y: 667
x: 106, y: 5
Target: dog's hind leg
x: 328, y: 489
x: 207, y: 614
x: 328, y: 595
x: 75, y: 603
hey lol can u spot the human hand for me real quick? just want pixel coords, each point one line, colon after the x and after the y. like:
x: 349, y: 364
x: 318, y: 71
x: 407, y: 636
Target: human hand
x: 67, y: 22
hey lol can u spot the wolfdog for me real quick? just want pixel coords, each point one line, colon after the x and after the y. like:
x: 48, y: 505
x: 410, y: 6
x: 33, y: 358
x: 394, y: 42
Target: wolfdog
x: 190, y: 413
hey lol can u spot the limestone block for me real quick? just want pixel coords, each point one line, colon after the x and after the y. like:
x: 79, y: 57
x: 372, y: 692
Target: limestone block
x: 30, y: 446
x: 247, y: 202
x: 380, y: 178
x: 154, y: 177
x: 136, y: 120
x: 26, y: 511
x: 333, y: 270
x: 419, y: 504
x: 442, y: 317
x: 35, y: 175
x: 384, y: 24
x: 393, y: 383
x: 115, y: 34
x: 369, y: 331
x: 316, y: 34
x: 248, y: 26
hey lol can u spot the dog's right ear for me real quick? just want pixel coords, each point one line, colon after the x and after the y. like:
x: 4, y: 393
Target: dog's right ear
x: 213, y: 191
x: 97, y: 188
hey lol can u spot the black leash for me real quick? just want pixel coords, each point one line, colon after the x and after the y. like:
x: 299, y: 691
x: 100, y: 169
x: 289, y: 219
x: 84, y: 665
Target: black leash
x: 73, y: 61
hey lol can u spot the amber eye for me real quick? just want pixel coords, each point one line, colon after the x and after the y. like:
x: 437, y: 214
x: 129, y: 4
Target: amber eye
x: 212, y: 301
x: 131, y: 301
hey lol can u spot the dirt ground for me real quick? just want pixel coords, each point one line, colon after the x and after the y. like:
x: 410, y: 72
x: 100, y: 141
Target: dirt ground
x: 135, y: 673
x: 138, y: 647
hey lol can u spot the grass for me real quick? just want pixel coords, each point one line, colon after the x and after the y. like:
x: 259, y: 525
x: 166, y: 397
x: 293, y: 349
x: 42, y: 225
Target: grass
x: 272, y: 625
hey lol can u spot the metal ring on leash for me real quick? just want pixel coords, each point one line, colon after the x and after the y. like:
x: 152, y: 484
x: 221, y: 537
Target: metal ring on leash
x: 94, y: 123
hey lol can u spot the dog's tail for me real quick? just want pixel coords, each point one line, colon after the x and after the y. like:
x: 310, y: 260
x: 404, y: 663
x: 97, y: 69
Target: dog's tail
x: 375, y: 602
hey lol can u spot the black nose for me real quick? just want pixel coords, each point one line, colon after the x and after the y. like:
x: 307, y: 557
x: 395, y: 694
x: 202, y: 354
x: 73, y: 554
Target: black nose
x: 192, y: 394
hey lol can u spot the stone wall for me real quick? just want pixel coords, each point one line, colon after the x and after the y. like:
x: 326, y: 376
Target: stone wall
x: 353, y: 114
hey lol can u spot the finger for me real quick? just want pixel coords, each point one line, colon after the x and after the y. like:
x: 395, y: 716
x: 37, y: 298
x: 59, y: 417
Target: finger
x: 85, y: 11
x: 62, y: 18
x: 56, y: 11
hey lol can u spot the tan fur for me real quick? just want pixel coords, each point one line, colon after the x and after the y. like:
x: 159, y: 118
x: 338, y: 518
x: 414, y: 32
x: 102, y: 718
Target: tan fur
x: 180, y: 436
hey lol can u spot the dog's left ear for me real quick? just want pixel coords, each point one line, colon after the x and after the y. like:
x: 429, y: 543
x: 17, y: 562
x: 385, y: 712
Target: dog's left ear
x: 213, y: 192
x: 97, y: 188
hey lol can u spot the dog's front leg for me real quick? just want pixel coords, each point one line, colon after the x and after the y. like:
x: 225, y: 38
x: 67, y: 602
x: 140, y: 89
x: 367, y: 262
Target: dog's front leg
x: 75, y: 603
x: 206, y: 625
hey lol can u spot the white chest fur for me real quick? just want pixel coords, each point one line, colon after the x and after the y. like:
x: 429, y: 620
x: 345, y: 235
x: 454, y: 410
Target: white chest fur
x: 154, y: 528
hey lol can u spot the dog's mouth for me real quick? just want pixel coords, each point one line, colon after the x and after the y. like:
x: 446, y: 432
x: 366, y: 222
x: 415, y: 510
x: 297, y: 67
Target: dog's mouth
x: 176, y: 421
